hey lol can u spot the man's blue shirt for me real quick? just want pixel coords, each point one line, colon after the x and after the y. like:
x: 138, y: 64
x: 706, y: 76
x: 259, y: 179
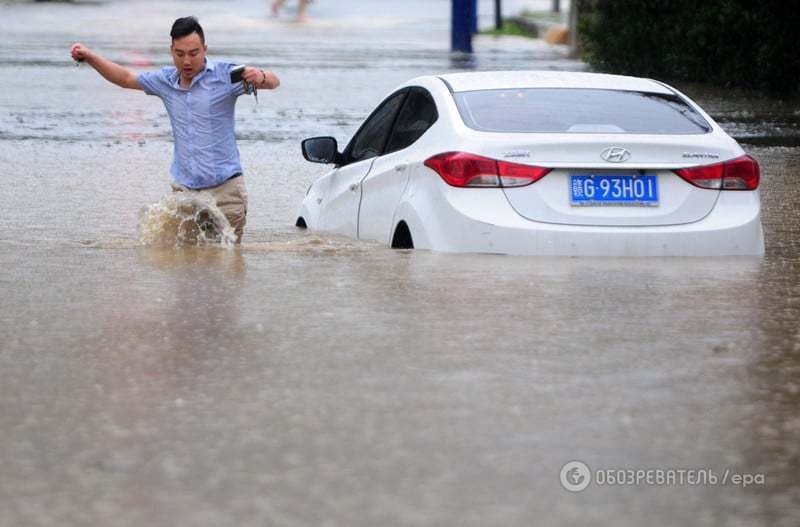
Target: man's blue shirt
x: 202, y: 118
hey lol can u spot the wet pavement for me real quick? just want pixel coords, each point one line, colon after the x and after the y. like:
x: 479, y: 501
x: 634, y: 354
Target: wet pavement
x: 312, y: 380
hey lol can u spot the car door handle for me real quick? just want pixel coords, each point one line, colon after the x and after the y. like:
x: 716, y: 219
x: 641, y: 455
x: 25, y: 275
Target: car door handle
x: 401, y: 167
x: 353, y: 187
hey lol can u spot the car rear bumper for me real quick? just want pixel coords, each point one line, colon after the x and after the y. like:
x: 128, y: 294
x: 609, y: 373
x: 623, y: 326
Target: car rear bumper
x: 481, y: 220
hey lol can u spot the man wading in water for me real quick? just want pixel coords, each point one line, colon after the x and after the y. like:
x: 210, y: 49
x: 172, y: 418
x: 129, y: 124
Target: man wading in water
x: 200, y: 100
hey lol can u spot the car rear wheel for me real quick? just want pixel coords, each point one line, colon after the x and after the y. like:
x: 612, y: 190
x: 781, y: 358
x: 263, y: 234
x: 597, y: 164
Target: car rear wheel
x: 402, y: 237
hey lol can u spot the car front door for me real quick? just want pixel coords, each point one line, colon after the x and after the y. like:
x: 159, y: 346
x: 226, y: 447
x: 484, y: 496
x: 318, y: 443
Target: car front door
x: 340, y: 212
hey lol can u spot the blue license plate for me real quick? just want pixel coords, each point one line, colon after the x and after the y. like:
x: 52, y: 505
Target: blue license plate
x: 608, y: 189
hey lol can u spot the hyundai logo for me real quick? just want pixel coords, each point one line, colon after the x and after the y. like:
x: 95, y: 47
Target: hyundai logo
x: 615, y: 154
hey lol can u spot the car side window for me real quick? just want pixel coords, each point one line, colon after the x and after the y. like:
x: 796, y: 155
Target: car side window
x: 418, y: 114
x: 371, y: 138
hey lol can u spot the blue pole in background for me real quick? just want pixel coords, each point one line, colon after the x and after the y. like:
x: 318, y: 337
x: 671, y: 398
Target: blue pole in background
x: 461, y: 34
x: 474, y: 21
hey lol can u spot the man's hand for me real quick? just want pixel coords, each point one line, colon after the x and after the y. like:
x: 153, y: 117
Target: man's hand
x: 79, y: 52
x: 263, y: 80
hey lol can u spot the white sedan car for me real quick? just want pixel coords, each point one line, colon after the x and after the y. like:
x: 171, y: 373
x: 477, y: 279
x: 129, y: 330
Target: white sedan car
x: 539, y: 163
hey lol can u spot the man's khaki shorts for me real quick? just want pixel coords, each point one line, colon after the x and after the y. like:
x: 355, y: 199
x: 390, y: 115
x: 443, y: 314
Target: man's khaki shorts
x: 231, y: 199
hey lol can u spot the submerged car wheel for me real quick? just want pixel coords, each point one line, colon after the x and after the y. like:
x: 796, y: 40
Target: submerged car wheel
x: 402, y: 237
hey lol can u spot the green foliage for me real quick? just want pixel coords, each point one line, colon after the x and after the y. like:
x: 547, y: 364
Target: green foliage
x: 750, y: 43
x: 510, y: 28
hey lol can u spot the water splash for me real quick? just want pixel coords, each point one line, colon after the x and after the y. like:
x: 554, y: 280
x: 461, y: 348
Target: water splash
x: 185, y: 220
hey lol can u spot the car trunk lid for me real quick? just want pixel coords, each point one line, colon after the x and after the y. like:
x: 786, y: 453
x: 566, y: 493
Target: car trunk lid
x: 631, y: 181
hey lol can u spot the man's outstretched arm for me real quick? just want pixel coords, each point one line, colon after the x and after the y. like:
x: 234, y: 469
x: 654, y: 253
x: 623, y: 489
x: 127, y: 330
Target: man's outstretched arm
x: 112, y: 72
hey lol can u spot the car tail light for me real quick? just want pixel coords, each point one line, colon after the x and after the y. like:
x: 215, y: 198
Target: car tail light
x: 741, y: 173
x: 461, y: 169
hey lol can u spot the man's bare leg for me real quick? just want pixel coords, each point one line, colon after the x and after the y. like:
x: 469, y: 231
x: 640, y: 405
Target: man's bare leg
x: 301, y: 10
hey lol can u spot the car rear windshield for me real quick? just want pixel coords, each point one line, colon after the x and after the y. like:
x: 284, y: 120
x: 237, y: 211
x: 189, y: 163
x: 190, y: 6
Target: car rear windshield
x: 568, y: 110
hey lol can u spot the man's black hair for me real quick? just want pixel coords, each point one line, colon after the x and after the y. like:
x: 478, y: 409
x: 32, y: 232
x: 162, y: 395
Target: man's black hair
x: 186, y: 26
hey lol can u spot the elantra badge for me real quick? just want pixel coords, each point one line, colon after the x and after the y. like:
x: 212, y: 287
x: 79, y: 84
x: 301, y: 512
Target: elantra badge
x: 700, y: 155
x: 615, y: 154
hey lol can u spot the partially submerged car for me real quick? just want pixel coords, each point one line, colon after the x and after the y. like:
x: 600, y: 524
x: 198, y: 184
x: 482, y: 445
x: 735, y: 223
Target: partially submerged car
x: 539, y: 163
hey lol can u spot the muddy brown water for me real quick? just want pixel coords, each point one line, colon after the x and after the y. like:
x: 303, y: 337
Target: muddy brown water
x: 306, y: 379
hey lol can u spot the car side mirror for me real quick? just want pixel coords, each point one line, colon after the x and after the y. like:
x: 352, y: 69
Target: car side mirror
x: 321, y: 150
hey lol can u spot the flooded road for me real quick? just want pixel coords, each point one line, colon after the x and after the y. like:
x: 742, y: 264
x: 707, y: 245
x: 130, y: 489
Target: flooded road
x: 314, y: 380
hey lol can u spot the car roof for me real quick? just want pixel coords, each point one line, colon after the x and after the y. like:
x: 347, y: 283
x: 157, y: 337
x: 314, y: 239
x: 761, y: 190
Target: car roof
x: 498, y: 80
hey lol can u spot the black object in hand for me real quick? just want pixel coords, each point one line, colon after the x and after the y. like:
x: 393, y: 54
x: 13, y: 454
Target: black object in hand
x: 236, y: 74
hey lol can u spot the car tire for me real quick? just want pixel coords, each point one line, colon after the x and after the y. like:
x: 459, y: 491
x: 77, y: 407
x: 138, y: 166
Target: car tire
x: 402, y: 237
